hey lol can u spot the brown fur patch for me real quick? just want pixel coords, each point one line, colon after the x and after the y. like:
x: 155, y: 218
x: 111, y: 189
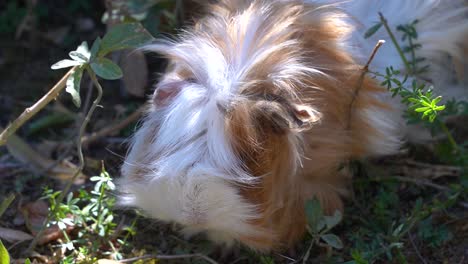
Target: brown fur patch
x: 267, y: 154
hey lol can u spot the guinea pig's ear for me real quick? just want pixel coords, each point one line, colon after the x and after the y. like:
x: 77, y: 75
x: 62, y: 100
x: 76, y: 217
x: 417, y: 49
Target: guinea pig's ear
x: 281, y: 117
x: 165, y: 92
x: 306, y: 114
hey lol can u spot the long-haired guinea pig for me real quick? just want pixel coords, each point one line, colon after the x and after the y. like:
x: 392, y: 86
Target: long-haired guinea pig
x: 261, y: 105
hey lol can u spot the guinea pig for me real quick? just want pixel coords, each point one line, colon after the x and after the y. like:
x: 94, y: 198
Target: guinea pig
x: 262, y: 104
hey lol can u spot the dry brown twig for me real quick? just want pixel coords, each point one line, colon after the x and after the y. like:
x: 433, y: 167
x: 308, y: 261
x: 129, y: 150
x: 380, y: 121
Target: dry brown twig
x: 424, y: 170
x: 418, y: 253
x: 114, y: 128
x: 29, y: 112
x: 364, y: 71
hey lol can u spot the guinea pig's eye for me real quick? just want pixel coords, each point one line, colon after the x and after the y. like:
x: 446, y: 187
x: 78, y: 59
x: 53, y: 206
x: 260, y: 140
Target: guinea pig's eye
x: 191, y: 80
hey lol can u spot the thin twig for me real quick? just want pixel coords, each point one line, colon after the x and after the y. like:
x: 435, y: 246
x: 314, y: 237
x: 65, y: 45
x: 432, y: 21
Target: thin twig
x: 116, y: 127
x: 364, y: 71
x: 395, y: 42
x: 416, y: 248
x: 423, y: 182
x: 421, y: 170
x: 31, y: 111
x: 420, y: 182
x: 182, y: 256
x: 80, y: 156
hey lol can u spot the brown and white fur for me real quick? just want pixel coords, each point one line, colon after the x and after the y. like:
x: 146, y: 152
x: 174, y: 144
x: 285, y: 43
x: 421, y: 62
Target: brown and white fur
x: 260, y: 107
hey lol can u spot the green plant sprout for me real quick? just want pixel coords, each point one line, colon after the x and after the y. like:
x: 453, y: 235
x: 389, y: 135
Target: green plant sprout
x: 319, y: 226
x: 91, y: 213
x: 93, y: 61
x: 419, y: 98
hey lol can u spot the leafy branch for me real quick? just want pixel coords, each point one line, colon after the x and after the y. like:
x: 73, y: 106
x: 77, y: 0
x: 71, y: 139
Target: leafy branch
x: 319, y: 226
x: 419, y: 99
x: 93, y: 61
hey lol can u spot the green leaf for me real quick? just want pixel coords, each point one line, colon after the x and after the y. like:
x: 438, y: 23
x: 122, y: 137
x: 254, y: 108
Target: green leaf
x: 106, y: 69
x: 332, y: 221
x: 4, y: 257
x: 73, y: 85
x: 124, y: 36
x: 332, y: 240
x: 371, y: 31
x: 27, y: 261
x: 56, y: 119
x: 314, y: 214
x: 427, y: 112
x: 65, y: 64
x: 422, y: 109
x: 95, y: 48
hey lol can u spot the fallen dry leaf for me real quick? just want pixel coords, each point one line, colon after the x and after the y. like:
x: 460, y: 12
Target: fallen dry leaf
x: 35, y: 214
x: 14, y: 236
x: 134, y: 67
x: 24, y: 153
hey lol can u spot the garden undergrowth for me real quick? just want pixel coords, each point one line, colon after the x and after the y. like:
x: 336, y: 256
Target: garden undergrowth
x: 389, y: 218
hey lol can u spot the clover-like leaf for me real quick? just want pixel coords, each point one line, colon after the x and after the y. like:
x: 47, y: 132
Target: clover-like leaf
x: 73, y: 85
x: 124, y: 36
x: 106, y: 69
x: 95, y: 48
x: 332, y: 240
x: 314, y: 214
x: 334, y: 220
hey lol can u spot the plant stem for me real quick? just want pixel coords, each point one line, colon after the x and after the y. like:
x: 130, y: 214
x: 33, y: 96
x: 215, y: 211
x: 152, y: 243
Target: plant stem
x: 395, y: 43
x: 132, y: 226
x: 413, y: 55
x: 86, y: 120
x: 449, y: 136
x: 6, y: 203
x: 34, y: 109
x: 101, y: 195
